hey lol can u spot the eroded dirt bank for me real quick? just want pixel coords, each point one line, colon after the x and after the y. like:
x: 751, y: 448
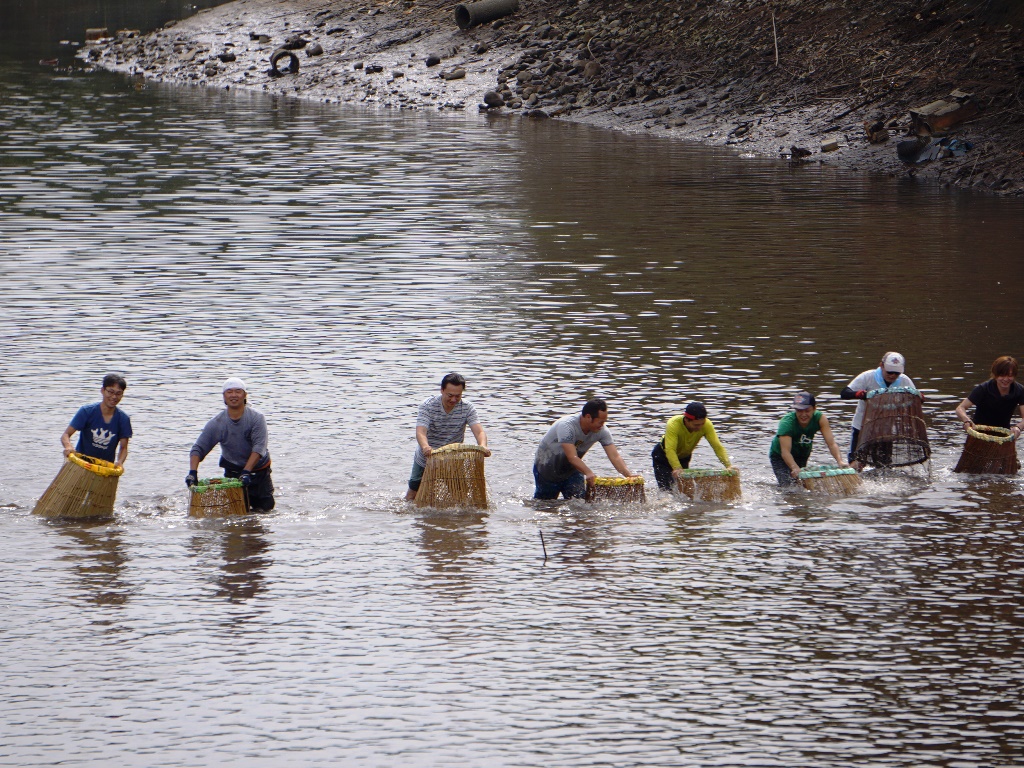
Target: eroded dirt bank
x: 799, y: 79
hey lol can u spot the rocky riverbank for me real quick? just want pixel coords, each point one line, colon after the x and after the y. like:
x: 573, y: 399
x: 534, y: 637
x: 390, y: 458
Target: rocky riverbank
x: 807, y: 81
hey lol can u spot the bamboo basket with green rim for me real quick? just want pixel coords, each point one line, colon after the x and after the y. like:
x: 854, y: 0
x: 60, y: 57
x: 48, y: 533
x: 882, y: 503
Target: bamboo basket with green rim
x: 830, y: 480
x: 619, y: 489
x: 84, y: 487
x: 217, y: 497
x: 894, y: 432
x: 710, y: 484
x: 454, y: 477
x: 988, y: 451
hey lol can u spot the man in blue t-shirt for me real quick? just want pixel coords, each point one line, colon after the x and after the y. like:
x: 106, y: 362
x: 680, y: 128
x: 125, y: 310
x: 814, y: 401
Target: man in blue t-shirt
x: 105, y: 428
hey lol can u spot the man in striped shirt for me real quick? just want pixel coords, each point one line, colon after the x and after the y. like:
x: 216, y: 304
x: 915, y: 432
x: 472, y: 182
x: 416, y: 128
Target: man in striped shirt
x: 442, y: 420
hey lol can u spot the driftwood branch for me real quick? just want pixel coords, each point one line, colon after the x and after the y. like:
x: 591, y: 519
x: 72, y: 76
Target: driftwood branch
x: 775, y: 38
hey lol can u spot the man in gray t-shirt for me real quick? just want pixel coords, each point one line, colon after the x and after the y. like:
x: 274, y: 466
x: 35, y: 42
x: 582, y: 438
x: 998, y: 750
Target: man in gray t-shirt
x: 558, y: 466
x: 241, y: 433
x: 442, y: 420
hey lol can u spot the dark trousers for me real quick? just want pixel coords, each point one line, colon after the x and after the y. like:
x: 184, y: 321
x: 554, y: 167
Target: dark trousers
x: 782, y: 472
x: 663, y: 470
x: 573, y: 487
x: 260, y: 492
x: 854, y: 437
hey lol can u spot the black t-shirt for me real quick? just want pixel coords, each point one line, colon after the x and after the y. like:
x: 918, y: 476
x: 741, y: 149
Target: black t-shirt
x: 992, y: 409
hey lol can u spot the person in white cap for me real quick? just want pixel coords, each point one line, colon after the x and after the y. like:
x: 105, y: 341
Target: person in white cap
x: 241, y: 433
x: 889, y: 373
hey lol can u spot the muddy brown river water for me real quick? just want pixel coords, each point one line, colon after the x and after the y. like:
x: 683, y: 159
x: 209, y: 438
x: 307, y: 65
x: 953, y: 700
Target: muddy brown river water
x: 342, y: 261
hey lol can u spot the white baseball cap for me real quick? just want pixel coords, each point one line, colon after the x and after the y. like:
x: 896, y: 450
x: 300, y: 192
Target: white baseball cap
x: 234, y: 384
x: 893, y: 362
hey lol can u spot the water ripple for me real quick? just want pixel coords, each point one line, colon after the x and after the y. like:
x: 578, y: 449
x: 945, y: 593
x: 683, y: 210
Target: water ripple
x: 341, y: 262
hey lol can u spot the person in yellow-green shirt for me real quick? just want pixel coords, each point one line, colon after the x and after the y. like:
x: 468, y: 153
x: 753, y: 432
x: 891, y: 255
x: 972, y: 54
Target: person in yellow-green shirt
x: 682, y: 433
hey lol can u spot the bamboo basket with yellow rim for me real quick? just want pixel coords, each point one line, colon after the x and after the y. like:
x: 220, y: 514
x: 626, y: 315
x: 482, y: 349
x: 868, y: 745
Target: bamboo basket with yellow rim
x: 454, y: 477
x: 84, y: 487
x: 988, y: 451
x: 710, y: 484
x: 618, y: 489
x: 830, y: 480
x: 217, y: 497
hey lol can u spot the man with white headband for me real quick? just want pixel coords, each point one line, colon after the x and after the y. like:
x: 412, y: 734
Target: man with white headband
x: 241, y: 433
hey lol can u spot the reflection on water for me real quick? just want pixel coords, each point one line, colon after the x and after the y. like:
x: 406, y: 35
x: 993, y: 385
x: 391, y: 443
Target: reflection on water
x: 451, y: 536
x: 98, y: 559
x: 341, y: 262
x: 237, y: 554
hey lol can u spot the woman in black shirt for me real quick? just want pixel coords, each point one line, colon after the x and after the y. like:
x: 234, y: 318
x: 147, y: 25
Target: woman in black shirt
x: 996, y: 400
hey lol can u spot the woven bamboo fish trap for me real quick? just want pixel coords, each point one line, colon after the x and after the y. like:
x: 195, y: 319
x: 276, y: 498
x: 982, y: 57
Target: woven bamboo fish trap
x: 217, y: 497
x: 618, y: 489
x: 84, y: 487
x: 710, y: 484
x: 894, y: 433
x: 989, y: 451
x: 830, y: 480
x: 454, y: 477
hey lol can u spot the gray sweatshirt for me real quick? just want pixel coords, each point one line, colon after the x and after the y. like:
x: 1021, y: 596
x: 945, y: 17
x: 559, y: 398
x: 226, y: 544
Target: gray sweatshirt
x: 237, y: 439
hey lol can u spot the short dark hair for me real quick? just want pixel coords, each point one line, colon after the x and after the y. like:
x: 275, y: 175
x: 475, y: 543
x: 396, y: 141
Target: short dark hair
x: 453, y: 378
x: 594, y: 407
x: 696, y: 410
x: 1004, y: 366
x: 113, y: 378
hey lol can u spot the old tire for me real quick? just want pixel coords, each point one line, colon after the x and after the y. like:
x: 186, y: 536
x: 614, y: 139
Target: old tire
x: 293, y: 62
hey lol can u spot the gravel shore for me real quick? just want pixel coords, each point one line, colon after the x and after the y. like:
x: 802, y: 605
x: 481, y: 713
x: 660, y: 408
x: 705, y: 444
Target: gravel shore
x: 806, y: 82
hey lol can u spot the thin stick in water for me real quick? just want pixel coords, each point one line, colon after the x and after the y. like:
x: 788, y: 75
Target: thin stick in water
x: 541, y: 532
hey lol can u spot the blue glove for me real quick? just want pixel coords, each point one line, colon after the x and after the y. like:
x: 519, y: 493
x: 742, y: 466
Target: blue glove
x: 192, y: 478
x: 246, y: 478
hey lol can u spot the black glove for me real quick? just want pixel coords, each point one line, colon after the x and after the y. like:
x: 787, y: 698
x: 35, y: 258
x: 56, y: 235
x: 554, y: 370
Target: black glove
x: 861, y: 394
x: 192, y: 478
x: 246, y: 478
